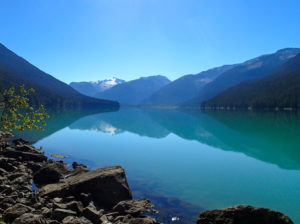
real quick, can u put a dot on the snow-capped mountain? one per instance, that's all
(93, 87)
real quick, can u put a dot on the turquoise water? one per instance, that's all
(212, 159)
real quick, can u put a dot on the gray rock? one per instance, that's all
(2, 171)
(76, 165)
(34, 166)
(85, 198)
(59, 205)
(15, 211)
(91, 213)
(24, 156)
(75, 206)
(4, 164)
(30, 218)
(57, 200)
(76, 220)
(50, 173)
(5, 135)
(53, 222)
(20, 141)
(60, 214)
(107, 186)
(244, 214)
(46, 212)
(69, 199)
(27, 148)
(133, 207)
(7, 200)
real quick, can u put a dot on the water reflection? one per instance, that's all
(270, 137)
(131, 120)
(191, 155)
(56, 122)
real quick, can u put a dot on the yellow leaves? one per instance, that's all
(18, 114)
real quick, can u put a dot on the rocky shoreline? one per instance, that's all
(67, 196)
(36, 189)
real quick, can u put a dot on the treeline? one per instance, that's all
(50, 99)
(279, 89)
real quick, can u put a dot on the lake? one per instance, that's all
(188, 161)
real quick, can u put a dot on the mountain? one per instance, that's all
(248, 70)
(54, 94)
(91, 88)
(133, 92)
(185, 88)
(278, 89)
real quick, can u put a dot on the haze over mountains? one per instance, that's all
(267, 81)
(251, 69)
(133, 92)
(194, 90)
(54, 94)
(91, 88)
(185, 87)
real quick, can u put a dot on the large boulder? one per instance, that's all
(244, 214)
(107, 186)
(50, 173)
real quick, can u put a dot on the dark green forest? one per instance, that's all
(278, 89)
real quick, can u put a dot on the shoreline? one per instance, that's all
(64, 195)
(80, 195)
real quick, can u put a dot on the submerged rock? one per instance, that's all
(243, 214)
(107, 186)
(140, 220)
(133, 207)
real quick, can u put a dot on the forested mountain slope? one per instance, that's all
(16, 71)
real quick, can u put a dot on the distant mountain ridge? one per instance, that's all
(251, 69)
(185, 87)
(192, 90)
(133, 92)
(215, 86)
(54, 94)
(278, 89)
(91, 88)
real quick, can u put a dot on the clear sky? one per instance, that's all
(77, 40)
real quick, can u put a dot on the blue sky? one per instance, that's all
(77, 40)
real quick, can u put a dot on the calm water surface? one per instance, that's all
(211, 160)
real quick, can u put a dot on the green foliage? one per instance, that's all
(279, 89)
(18, 114)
